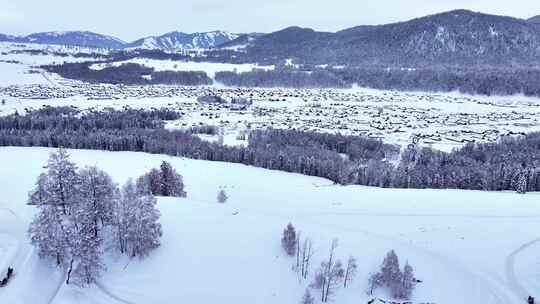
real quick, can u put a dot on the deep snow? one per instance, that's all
(461, 243)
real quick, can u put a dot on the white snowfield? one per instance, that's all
(211, 68)
(466, 246)
(18, 67)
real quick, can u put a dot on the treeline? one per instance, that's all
(287, 78)
(470, 80)
(355, 147)
(71, 119)
(128, 74)
(510, 164)
(480, 80)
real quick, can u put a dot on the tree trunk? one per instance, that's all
(69, 271)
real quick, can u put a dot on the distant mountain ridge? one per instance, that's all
(169, 41)
(459, 37)
(179, 40)
(535, 19)
(74, 38)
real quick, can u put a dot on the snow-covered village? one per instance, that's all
(388, 158)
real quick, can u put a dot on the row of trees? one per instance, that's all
(64, 119)
(128, 74)
(282, 78)
(483, 80)
(79, 210)
(510, 164)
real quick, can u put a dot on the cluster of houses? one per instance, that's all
(392, 116)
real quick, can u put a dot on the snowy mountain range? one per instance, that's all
(459, 37)
(535, 19)
(169, 41)
(75, 38)
(179, 40)
(454, 37)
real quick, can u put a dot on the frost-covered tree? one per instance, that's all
(77, 210)
(401, 284)
(47, 235)
(164, 181)
(222, 197)
(408, 283)
(39, 194)
(141, 231)
(86, 264)
(334, 279)
(98, 190)
(350, 271)
(519, 182)
(172, 183)
(65, 228)
(62, 181)
(56, 194)
(329, 275)
(150, 182)
(123, 214)
(307, 298)
(375, 281)
(289, 240)
(391, 272)
(307, 254)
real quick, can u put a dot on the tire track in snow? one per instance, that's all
(56, 290)
(11, 258)
(496, 290)
(511, 269)
(21, 259)
(452, 264)
(112, 295)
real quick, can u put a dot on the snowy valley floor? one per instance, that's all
(466, 246)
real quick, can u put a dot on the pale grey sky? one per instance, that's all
(132, 19)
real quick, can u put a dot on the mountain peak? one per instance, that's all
(180, 40)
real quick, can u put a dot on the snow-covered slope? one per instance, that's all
(178, 40)
(73, 38)
(466, 246)
(19, 63)
(169, 41)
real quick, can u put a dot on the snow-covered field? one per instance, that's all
(466, 246)
(210, 68)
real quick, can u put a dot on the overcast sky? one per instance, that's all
(132, 19)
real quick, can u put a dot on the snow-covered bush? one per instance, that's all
(222, 197)
(400, 283)
(288, 240)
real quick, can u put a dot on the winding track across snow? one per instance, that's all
(112, 295)
(511, 271)
(23, 255)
